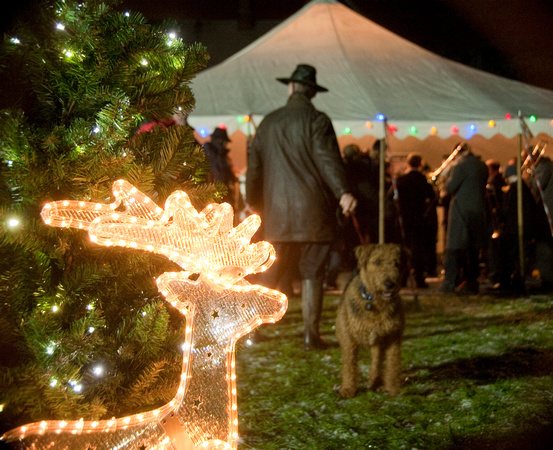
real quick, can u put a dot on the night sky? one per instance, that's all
(512, 38)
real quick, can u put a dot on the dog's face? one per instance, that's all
(380, 267)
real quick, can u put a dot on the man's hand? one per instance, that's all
(348, 203)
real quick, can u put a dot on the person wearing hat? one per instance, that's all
(415, 197)
(221, 167)
(295, 181)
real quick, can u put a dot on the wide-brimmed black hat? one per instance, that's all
(221, 134)
(305, 74)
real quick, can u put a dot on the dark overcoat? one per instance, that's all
(468, 218)
(415, 195)
(295, 174)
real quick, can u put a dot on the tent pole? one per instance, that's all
(520, 216)
(381, 193)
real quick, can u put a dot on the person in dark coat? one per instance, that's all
(362, 174)
(221, 166)
(431, 226)
(296, 181)
(495, 186)
(468, 219)
(415, 196)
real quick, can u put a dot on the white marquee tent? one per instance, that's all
(428, 100)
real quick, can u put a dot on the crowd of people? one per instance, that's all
(318, 202)
(479, 203)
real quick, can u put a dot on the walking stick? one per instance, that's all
(381, 186)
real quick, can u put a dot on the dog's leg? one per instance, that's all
(375, 369)
(393, 369)
(349, 367)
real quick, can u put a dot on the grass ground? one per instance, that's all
(478, 375)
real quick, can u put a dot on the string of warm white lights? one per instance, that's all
(219, 307)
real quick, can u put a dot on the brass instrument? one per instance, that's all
(436, 174)
(534, 157)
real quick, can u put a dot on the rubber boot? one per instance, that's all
(311, 305)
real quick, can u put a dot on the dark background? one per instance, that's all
(512, 38)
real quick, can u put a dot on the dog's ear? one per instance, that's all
(362, 253)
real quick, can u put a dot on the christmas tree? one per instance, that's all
(85, 332)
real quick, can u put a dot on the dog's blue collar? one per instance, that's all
(366, 296)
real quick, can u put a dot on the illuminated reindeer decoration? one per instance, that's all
(219, 306)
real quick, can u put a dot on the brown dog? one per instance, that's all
(371, 315)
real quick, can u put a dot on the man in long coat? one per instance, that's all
(468, 220)
(296, 181)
